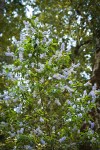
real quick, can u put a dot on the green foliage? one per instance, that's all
(45, 105)
(44, 101)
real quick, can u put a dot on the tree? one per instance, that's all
(43, 106)
(54, 55)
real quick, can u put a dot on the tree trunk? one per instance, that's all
(96, 80)
(96, 70)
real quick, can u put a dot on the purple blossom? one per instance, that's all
(94, 87)
(20, 131)
(87, 83)
(63, 46)
(43, 55)
(92, 93)
(38, 131)
(74, 106)
(18, 109)
(41, 119)
(84, 93)
(9, 54)
(21, 56)
(44, 40)
(57, 76)
(92, 124)
(42, 142)
(10, 75)
(79, 115)
(65, 73)
(19, 68)
(69, 102)
(70, 82)
(6, 97)
(68, 88)
(62, 139)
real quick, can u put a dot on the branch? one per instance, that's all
(76, 51)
